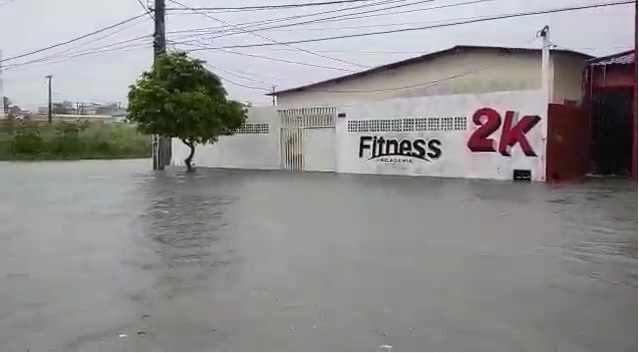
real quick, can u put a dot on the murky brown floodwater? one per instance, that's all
(239, 260)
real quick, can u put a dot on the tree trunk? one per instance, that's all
(187, 161)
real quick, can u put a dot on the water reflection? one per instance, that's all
(188, 225)
(243, 260)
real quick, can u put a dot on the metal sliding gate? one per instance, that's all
(307, 139)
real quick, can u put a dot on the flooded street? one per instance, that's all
(109, 255)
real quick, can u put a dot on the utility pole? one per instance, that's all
(50, 113)
(546, 69)
(273, 94)
(5, 100)
(161, 145)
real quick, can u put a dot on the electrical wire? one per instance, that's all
(282, 19)
(146, 9)
(266, 57)
(283, 60)
(59, 59)
(273, 41)
(239, 75)
(273, 7)
(484, 19)
(242, 85)
(339, 18)
(371, 13)
(57, 55)
(75, 39)
(143, 37)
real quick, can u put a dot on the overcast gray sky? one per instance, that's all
(27, 25)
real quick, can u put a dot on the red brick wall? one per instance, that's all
(568, 142)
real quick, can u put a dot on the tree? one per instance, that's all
(180, 98)
(10, 110)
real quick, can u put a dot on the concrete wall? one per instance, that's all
(447, 122)
(478, 72)
(251, 149)
(568, 78)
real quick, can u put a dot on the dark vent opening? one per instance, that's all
(521, 175)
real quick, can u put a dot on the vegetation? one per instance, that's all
(180, 98)
(36, 140)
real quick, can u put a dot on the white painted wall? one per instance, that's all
(326, 149)
(456, 159)
(472, 72)
(242, 151)
(319, 150)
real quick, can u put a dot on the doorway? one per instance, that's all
(611, 133)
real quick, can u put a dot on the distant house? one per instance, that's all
(458, 70)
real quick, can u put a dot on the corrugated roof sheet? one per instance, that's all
(624, 58)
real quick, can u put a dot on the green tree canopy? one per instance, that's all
(180, 98)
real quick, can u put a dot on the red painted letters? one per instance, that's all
(513, 132)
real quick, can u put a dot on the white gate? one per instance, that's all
(307, 139)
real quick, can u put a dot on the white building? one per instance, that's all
(458, 70)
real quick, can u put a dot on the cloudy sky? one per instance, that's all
(100, 68)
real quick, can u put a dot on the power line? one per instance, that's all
(191, 30)
(340, 18)
(325, 19)
(239, 75)
(491, 18)
(233, 74)
(275, 7)
(372, 13)
(75, 39)
(281, 19)
(283, 60)
(57, 55)
(359, 16)
(241, 85)
(146, 9)
(270, 39)
(59, 59)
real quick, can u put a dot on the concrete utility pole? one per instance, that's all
(5, 103)
(50, 111)
(161, 145)
(546, 69)
(273, 94)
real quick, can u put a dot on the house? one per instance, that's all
(458, 70)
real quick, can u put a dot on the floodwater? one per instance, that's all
(112, 256)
